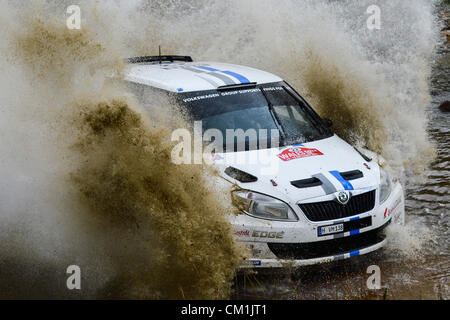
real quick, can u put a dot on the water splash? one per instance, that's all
(373, 84)
(107, 196)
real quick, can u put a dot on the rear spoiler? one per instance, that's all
(159, 59)
(237, 86)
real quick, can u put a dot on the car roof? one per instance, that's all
(194, 76)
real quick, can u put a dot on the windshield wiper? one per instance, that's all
(275, 118)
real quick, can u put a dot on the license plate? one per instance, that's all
(335, 228)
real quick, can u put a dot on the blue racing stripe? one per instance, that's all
(354, 253)
(346, 184)
(207, 68)
(355, 218)
(352, 233)
(238, 76)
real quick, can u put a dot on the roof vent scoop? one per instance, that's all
(240, 175)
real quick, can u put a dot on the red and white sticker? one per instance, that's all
(242, 233)
(298, 152)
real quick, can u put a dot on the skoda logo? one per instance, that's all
(343, 197)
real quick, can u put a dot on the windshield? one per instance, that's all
(270, 107)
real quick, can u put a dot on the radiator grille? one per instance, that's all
(332, 210)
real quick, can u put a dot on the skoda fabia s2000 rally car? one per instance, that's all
(325, 200)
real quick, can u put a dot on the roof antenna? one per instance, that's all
(160, 54)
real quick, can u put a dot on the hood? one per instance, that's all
(301, 172)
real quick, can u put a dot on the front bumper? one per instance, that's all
(284, 263)
(275, 244)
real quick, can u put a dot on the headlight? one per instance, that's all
(385, 185)
(262, 206)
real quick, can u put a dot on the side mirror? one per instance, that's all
(327, 122)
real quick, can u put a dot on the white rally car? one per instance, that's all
(323, 200)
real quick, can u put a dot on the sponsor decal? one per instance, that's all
(216, 157)
(255, 262)
(388, 212)
(266, 234)
(298, 152)
(242, 233)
